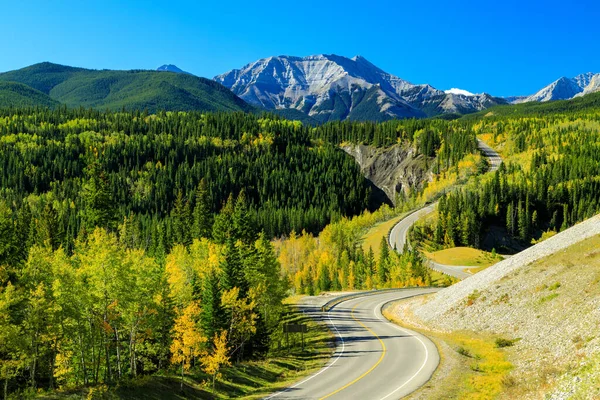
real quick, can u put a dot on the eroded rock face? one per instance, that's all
(394, 170)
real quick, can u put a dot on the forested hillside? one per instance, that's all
(549, 181)
(131, 90)
(14, 94)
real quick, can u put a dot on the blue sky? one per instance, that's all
(504, 47)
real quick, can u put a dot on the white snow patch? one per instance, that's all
(459, 91)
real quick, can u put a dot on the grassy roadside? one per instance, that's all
(472, 366)
(372, 238)
(247, 380)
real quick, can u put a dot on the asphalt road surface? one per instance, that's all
(374, 358)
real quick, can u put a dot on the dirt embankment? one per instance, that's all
(394, 170)
(543, 304)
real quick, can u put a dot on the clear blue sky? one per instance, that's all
(510, 47)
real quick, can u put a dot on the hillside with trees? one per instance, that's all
(131, 90)
(13, 94)
(549, 181)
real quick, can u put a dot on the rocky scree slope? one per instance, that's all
(547, 300)
(330, 87)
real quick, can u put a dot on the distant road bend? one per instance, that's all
(374, 358)
(399, 233)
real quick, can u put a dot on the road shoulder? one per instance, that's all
(470, 363)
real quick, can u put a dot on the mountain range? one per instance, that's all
(312, 89)
(330, 87)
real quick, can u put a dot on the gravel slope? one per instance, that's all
(448, 298)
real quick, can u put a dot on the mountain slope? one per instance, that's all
(564, 89)
(330, 87)
(561, 89)
(151, 90)
(14, 94)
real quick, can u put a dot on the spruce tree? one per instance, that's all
(202, 226)
(98, 206)
(223, 226)
(384, 261)
(180, 217)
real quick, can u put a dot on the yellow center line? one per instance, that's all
(371, 369)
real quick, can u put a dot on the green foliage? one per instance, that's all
(99, 168)
(548, 298)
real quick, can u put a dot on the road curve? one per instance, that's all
(399, 233)
(491, 154)
(374, 358)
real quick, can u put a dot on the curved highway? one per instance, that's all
(399, 233)
(374, 358)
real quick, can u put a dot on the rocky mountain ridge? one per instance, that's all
(330, 87)
(564, 89)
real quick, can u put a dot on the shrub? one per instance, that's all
(501, 342)
(464, 352)
(473, 297)
(554, 286)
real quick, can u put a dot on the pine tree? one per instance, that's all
(180, 216)
(384, 261)
(223, 226)
(212, 317)
(242, 224)
(48, 227)
(98, 206)
(202, 227)
(232, 267)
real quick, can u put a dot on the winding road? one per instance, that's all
(374, 358)
(399, 233)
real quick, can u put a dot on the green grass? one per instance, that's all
(548, 298)
(247, 380)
